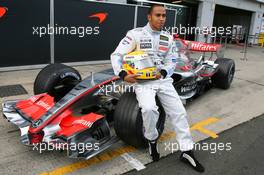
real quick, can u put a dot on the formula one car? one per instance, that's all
(85, 117)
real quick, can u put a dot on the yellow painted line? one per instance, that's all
(115, 153)
(85, 163)
(167, 135)
(200, 127)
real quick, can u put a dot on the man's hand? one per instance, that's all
(158, 76)
(131, 78)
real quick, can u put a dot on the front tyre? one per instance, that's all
(56, 80)
(128, 121)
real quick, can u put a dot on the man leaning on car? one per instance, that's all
(159, 45)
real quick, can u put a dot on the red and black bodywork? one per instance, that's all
(78, 118)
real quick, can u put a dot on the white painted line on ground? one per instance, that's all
(133, 162)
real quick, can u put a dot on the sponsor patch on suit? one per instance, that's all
(145, 45)
(145, 40)
(163, 49)
(164, 38)
(125, 42)
(163, 43)
(129, 38)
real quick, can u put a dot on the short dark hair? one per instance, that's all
(152, 7)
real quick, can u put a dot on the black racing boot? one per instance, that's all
(153, 150)
(188, 158)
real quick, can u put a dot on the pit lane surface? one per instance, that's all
(245, 158)
(214, 112)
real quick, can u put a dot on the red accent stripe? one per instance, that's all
(207, 75)
(163, 48)
(130, 72)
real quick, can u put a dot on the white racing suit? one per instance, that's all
(160, 46)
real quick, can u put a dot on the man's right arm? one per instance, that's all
(126, 45)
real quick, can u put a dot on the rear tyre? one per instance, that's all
(225, 73)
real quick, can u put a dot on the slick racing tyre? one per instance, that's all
(224, 74)
(56, 80)
(128, 121)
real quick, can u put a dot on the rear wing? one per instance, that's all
(202, 47)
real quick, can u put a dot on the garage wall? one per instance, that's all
(20, 46)
(104, 37)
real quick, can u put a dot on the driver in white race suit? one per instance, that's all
(160, 47)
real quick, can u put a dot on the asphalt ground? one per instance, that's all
(246, 156)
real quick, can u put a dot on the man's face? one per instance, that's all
(157, 18)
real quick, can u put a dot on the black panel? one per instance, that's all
(186, 17)
(18, 45)
(72, 13)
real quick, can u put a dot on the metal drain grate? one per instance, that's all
(12, 90)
